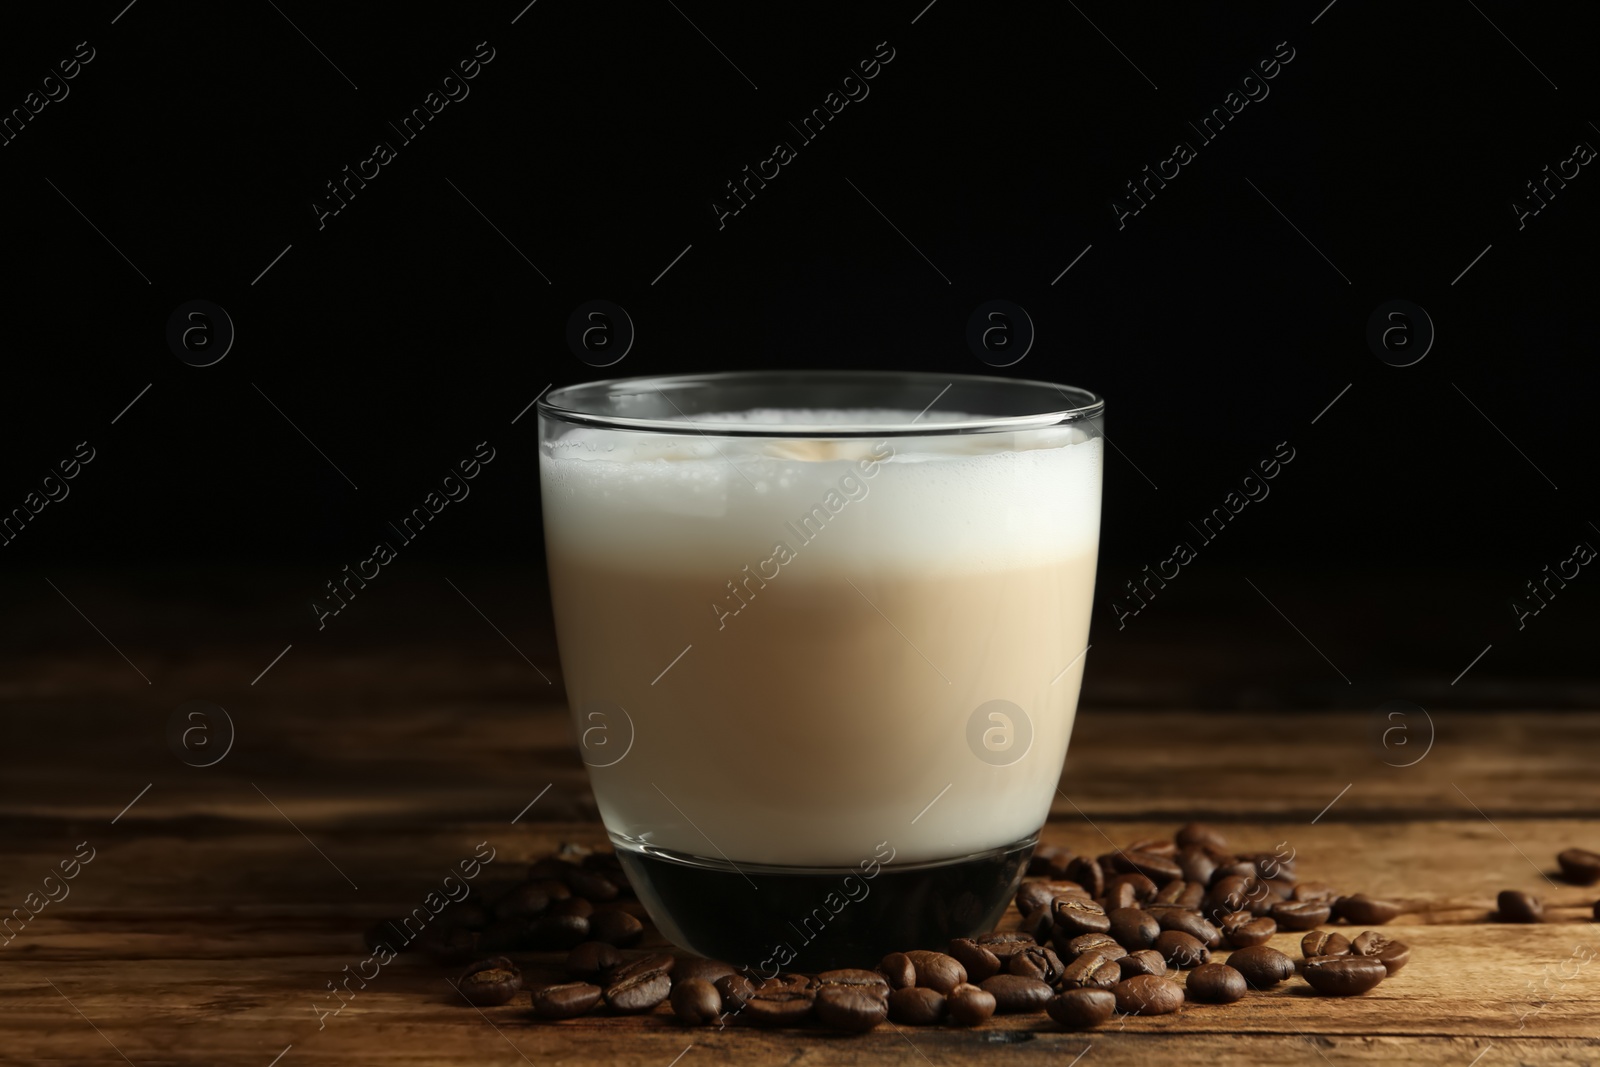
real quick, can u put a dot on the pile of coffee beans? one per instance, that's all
(1098, 936)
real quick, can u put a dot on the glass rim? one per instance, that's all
(566, 404)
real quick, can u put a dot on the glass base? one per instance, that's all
(770, 919)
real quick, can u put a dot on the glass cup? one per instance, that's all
(822, 635)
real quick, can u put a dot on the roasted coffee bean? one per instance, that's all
(522, 901)
(1145, 994)
(1343, 976)
(1156, 846)
(1362, 910)
(1145, 961)
(1050, 861)
(900, 971)
(1241, 929)
(916, 1006)
(549, 932)
(490, 982)
(1280, 889)
(1199, 835)
(1198, 865)
(565, 1001)
(569, 907)
(687, 967)
(970, 1005)
(736, 990)
(1013, 993)
(1092, 969)
(1032, 896)
(592, 886)
(1271, 865)
(935, 970)
(1182, 950)
(1037, 924)
(554, 888)
(639, 993)
(1191, 923)
(1075, 917)
(1393, 954)
(1215, 983)
(779, 1007)
(696, 1001)
(1081, 1009)
(1087, 873)
(615, 927)
(1314, 891)
(650, 963)
(593, 961)
(1119, 895)
(1230, 894)
(1037, 962)
(1104, 944)
(1158, 868)
(1324, 943)
(978, 961)
(1183, 894)
(1519, 907)
(856, 978)
(851, 1008)
(1262, 965)
(1004, 946)
(1144, 890)
(1232, 867)
(1579, 865)
(1133, 928)
(1300, 915)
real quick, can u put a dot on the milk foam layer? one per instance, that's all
(789, 637)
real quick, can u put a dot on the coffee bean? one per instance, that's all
(1120, 895)
(1104, 944)
(1314, 891)
(1241, 929)
(788, 982)
(1282, 889)
(979, 962)
(1156, 846)
(935, 970)
(970, 1005)
(1579, 865)
(1271, 865)
(593, 961)
(855, 978)
(1215, 983)
(1343, 976)
(1037, 962)
(851, 1008)
(570, 906)
(1232, 867)
(1087, 873)
(1191, 923)
(591, 885)
(1199, 835)
(1198, 864)
(1014, 993)
(1300, 915)
(1004, 946)
(778, 1007)
(1183, 894)
(490, 982)
(1081, 1009)
(638, 993)
(1075, 917)
(1145, 961)
(1262, 965)
(1145, 994)
(1159, 869)
(1229, 894)
(1037, 924)
(900, 971)
(565, 1001)
(556, 932)
(687, 967)
(1324, 943)
(1181, 950)
(1092, 969)
(1519, 907)
(1050, 861)
(522, 901)
(696, 1001)
(554, 888)
(1393, 954)
(1144, 890)
(1362, 910)
(736, 990)
(1133, 928)
(1032, 896)
(650, 963)
(616, 928)
(916, 1006)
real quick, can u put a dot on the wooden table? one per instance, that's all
(221, 901)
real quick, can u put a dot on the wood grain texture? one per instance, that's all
(218, 907)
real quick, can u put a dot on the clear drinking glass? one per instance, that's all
(822, 634)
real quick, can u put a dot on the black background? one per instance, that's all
(414, 324)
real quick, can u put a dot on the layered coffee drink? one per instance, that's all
(824, 684)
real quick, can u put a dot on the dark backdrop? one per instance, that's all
(1385, 159)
